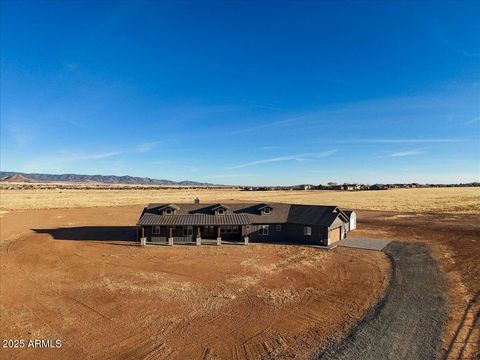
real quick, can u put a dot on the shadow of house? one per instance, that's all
(92, 233)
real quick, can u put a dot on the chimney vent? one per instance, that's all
(197, 200)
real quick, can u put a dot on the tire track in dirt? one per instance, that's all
(464, 333)
(409, 320)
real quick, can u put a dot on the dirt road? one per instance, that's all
(408, 323)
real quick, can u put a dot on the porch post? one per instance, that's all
(245, 235)
(199, 236)
(170, 236)
(219, 238)
(143, 239)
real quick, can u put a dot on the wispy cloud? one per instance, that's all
(397, 111)
(191, 168)
(270, 147)
(158, 162)
(395, 141)
(407, 153)
(96, 156)
(291, 120)
(146, 146)
(295, 157)
(473, 121)
(63, 158)
(224, 176)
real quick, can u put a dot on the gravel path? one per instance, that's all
(408, 322)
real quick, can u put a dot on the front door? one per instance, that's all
(208, 232)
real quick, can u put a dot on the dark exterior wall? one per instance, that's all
(289, 232)
(232, 236)
(273, 234)
(319, 234)
(177, 231)
(149, 232)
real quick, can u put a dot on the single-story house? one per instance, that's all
(242, 222)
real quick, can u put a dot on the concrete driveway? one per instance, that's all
(364, 243)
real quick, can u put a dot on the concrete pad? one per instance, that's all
(364, 243)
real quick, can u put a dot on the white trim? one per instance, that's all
(267, 211)
(222, 211)
(156, 229)
(279, 227)
(168, 211)
(307, 230)
(263, 230)
(189, 231)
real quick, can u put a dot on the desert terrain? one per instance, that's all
(69, 270)
(76, 276)
(426, 200)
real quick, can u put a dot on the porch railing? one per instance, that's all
(159, 240)
(182, 239)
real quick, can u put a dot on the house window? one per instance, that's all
(307, 230)
(220, 212)
(263, 230)
(168, 211)
(187, 231)
(156, 230)
(279, 227)
(227, 229)
(267, 211)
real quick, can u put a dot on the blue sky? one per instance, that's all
(242, 92)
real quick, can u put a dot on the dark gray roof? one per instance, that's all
(173, 206)
(193, 219)
(312, 214)
(281, 213)
(219, 206)
(263, 206)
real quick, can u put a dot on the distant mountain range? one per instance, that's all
(9, 176)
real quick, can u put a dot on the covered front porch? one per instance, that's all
(195, 229)
(194, 234)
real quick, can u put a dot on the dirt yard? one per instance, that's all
(50, 283)
(73, 275)
(428, 200)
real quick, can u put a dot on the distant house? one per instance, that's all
(256, 222)
(377, 187)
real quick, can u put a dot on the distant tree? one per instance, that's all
(332, 184)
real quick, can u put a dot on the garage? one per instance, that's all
(335, 234)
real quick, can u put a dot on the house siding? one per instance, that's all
(319, 234)
(177, 232)
(273, 234)
(292, 220)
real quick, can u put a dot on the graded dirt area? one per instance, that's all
(455, 200)
(454, 240)
(71, 247)
(407, 323)
(73, 275)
